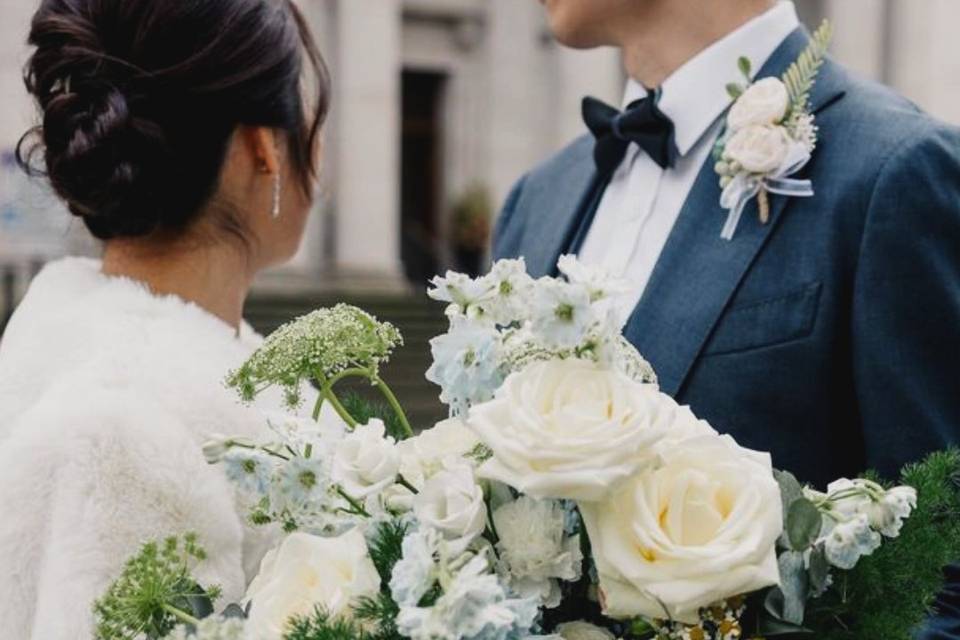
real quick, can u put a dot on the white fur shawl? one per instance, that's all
(106, 394)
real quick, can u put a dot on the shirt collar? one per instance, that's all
(695, 95)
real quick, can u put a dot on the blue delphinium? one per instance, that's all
(466, 365)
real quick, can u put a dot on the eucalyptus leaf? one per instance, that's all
(803, 524)
(234, 610)
(734, 90)
(793, 586)
(745, 67)
(819, 571)
(790, 488)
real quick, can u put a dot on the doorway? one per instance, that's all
(421, 173)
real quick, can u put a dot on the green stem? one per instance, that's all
(317, 406)
(180, 615)
(394, 404)
(338, 407)
(353, 502)
(403, 483)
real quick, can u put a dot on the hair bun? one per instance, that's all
(96, 156)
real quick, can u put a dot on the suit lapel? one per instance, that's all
(559, 206)
(698, 272)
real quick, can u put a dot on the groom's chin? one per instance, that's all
(580, 24)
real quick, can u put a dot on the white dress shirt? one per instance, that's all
(642, 201)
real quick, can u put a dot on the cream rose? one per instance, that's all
(570, 429)
(764, 102)
(305, 572)
(366, 462)
(758, 148)
(452, 503)
(424, 455)
(699, 528)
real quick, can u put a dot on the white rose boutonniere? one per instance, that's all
(306, 572)
(769, 136)
(764, 102)
(570, 429)
(699, 528)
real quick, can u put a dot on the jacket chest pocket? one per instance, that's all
(767, 322)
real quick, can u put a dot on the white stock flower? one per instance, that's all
(697, 529)
(848, 541)
(366, 461)
(759, 148)
(895, 506)
(764, 102)
(467, 296)
(511, 285)
(598, 281)
(452, 503)
(570, 429)
(562, 312)
(306, 572)
(535, 549)
(885, 509)
(425, 454)
(581, 630)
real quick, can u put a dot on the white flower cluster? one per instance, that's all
(314, 477)
(506, 320)
(857, 515)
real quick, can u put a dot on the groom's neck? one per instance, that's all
(656, 46)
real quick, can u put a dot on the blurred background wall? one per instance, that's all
(439, 106)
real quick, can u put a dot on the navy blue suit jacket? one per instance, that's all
(829, 336)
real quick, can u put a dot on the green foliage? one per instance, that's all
(801, 75)
(155, 592)
(889, 593)
(320, 626)
(381, 612)
(320, 345)
(364, 410)
(386, 548)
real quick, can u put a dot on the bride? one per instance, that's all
(181, 134)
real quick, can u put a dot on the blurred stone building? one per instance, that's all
(439, 105)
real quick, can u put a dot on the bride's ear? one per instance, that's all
(264, 148)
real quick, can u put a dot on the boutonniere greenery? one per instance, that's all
(769, 135)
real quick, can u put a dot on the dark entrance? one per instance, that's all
(421, 173)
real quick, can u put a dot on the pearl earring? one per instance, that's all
(276, 197)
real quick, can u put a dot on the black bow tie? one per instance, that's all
(642, 123)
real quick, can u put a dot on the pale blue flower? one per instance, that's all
(474, 606)
(248, 469)
(851, 540)
(301, 482)
(561, 313)
(600, 283)
(416, 572)
(466, 364)
(511, 284)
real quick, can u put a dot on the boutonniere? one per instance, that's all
(769, 135)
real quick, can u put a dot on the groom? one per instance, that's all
(828, 335)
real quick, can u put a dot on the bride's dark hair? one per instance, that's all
(139, 99)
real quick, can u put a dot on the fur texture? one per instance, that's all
(106, 394)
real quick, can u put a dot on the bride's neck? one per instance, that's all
(217, 278)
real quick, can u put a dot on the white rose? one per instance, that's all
(759, 148)
(570, 429)
(305, 572)
(452, 503)
(424, 455)
(698, 529)
(583, 631)
(764, 102)
(366, 462)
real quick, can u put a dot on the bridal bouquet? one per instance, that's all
(566, 497)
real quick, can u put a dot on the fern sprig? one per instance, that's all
(802, 74)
